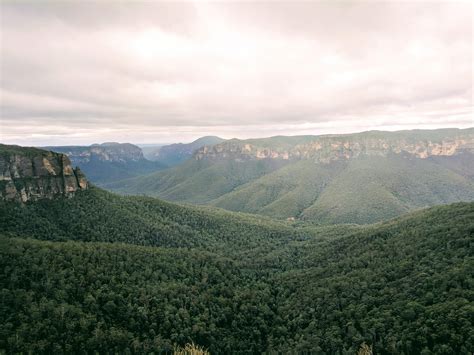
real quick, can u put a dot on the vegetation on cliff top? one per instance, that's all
(10, 150)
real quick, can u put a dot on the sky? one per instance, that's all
(162, 72)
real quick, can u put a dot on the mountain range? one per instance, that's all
(174, 154)
(110, 161)
(91, 271)
(356, 178)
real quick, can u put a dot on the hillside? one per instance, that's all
(107, 162)
(95, 215)
(359, 178)
(240, 284)
(177, 153)
(408, 283)
(362, 190)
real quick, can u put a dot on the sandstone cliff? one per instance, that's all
(108, 162)
(324, 149)
(108, 152)
(29, 174)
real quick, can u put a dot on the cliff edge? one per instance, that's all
(30, 174)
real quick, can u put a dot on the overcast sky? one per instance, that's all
(80, 73)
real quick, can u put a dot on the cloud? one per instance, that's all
(150, 72)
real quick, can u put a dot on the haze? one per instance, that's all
(79, 73)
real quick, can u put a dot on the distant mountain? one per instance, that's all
(175, 154)
(110, 161)
(356, 178)
(148, 149)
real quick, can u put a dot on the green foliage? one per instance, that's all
(229, 282)
(366, 189)
(86, 297)
(363, 190)
(372, 189)
(283, 193)
(97, 215)
(403, 286)
(197, 181)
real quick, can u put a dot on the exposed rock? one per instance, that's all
(107, 162)
(324, 149)
(81, 179)
(29, 174)
(110, 152)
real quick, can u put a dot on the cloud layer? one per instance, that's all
(78, 73)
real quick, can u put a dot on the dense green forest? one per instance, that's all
(101, 272)
(97, 215)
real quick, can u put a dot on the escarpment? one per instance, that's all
(30, 174)
(105, 152)
(324, 149)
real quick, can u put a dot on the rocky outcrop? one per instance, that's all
(30, 174)
(109, 152)
(327, 150)
(324, 149)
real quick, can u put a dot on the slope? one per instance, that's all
(404, 286)
(197, 181)
(371, 189)
(362, 190)
(100, 216)
(283, 193)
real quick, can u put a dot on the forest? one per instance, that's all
(236, 177)
(102, 272)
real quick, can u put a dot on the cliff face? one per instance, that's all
(108, 162)
(29, 174)
(324, 149)
(109, 152)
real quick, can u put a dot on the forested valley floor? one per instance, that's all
(100, 272)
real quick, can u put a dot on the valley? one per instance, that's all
(359, 178)
(236, 177)
(95, 271)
